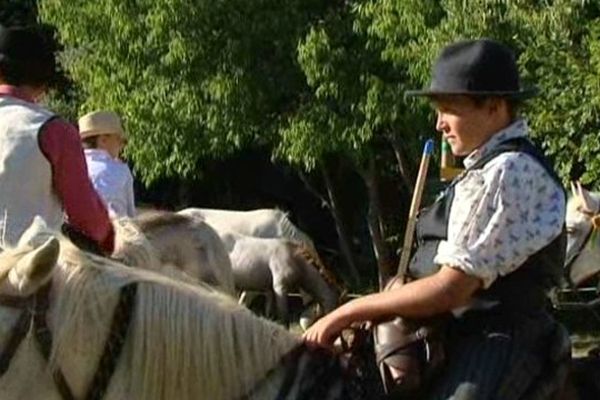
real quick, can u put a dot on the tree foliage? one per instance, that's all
(193, 79)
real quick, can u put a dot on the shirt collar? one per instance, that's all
(514, 130)
(14, 91)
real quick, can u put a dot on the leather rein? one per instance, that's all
(33, 316)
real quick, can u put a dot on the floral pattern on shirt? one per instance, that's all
(502, 213)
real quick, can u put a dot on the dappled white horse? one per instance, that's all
(263, 223)
(174, 244)
(279, 267)
(583, 246)
(179, 341)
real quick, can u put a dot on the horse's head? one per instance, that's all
(328, 290)
(24, 269)
(582, 214)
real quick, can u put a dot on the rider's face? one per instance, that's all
(112, 143)
(463, 123)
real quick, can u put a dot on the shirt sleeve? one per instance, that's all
(60, 143)
(500, 216)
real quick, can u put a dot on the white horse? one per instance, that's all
(278, 267)
(583, 246)
(182, 341)
(172, 244)
(262, 223)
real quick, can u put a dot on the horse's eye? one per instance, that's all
(570, 229)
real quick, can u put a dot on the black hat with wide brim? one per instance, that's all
(26, 49)
(482, 67)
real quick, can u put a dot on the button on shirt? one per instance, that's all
(502, 213)
(113, 182)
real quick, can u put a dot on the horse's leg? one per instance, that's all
(252, 300)
(269, 310)
(281, 301)
(243, 300)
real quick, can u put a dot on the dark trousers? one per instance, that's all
(494, 356)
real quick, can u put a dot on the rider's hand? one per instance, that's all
(324, 332)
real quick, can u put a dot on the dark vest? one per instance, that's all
(525, 288)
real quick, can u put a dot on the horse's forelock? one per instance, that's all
(577, 204)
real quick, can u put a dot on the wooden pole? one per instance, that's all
(414, 209)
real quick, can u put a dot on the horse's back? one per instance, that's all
(260, 222)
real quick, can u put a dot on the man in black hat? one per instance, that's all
(42, 166)
(490, 247)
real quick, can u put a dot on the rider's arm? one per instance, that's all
(60, 143)
(446, 290)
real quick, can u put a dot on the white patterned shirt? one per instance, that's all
(113, 181)
(502, 213)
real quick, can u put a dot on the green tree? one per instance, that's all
(356, 110)
(194, 80)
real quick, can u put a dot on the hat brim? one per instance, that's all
(92, 133)
(522, 94)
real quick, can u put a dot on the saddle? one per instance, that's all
(408, 352)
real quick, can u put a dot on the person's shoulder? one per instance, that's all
(60, 127)
(514, 162)
(519, 171)
(119, 167)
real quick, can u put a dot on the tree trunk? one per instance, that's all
(404, 166)
(340, 226)
(385, 261)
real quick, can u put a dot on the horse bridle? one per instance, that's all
(34, 315)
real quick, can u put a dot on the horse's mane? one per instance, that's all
(290, 231)
(185, 341)
(132, 247)
(313, 259)
(150, 221)
(576, 203)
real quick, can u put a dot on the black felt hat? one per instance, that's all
(480, 67)
(25, 52)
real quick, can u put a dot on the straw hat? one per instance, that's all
(100, 123)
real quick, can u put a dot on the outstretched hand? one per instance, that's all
(324, 332)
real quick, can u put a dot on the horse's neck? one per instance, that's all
(290, 231)
(315, 284)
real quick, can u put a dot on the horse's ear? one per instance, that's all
(574, 189)
(36, 234)
(35, 269)
(588, 203)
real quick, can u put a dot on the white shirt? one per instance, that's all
(502, 213)
(113, 181)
